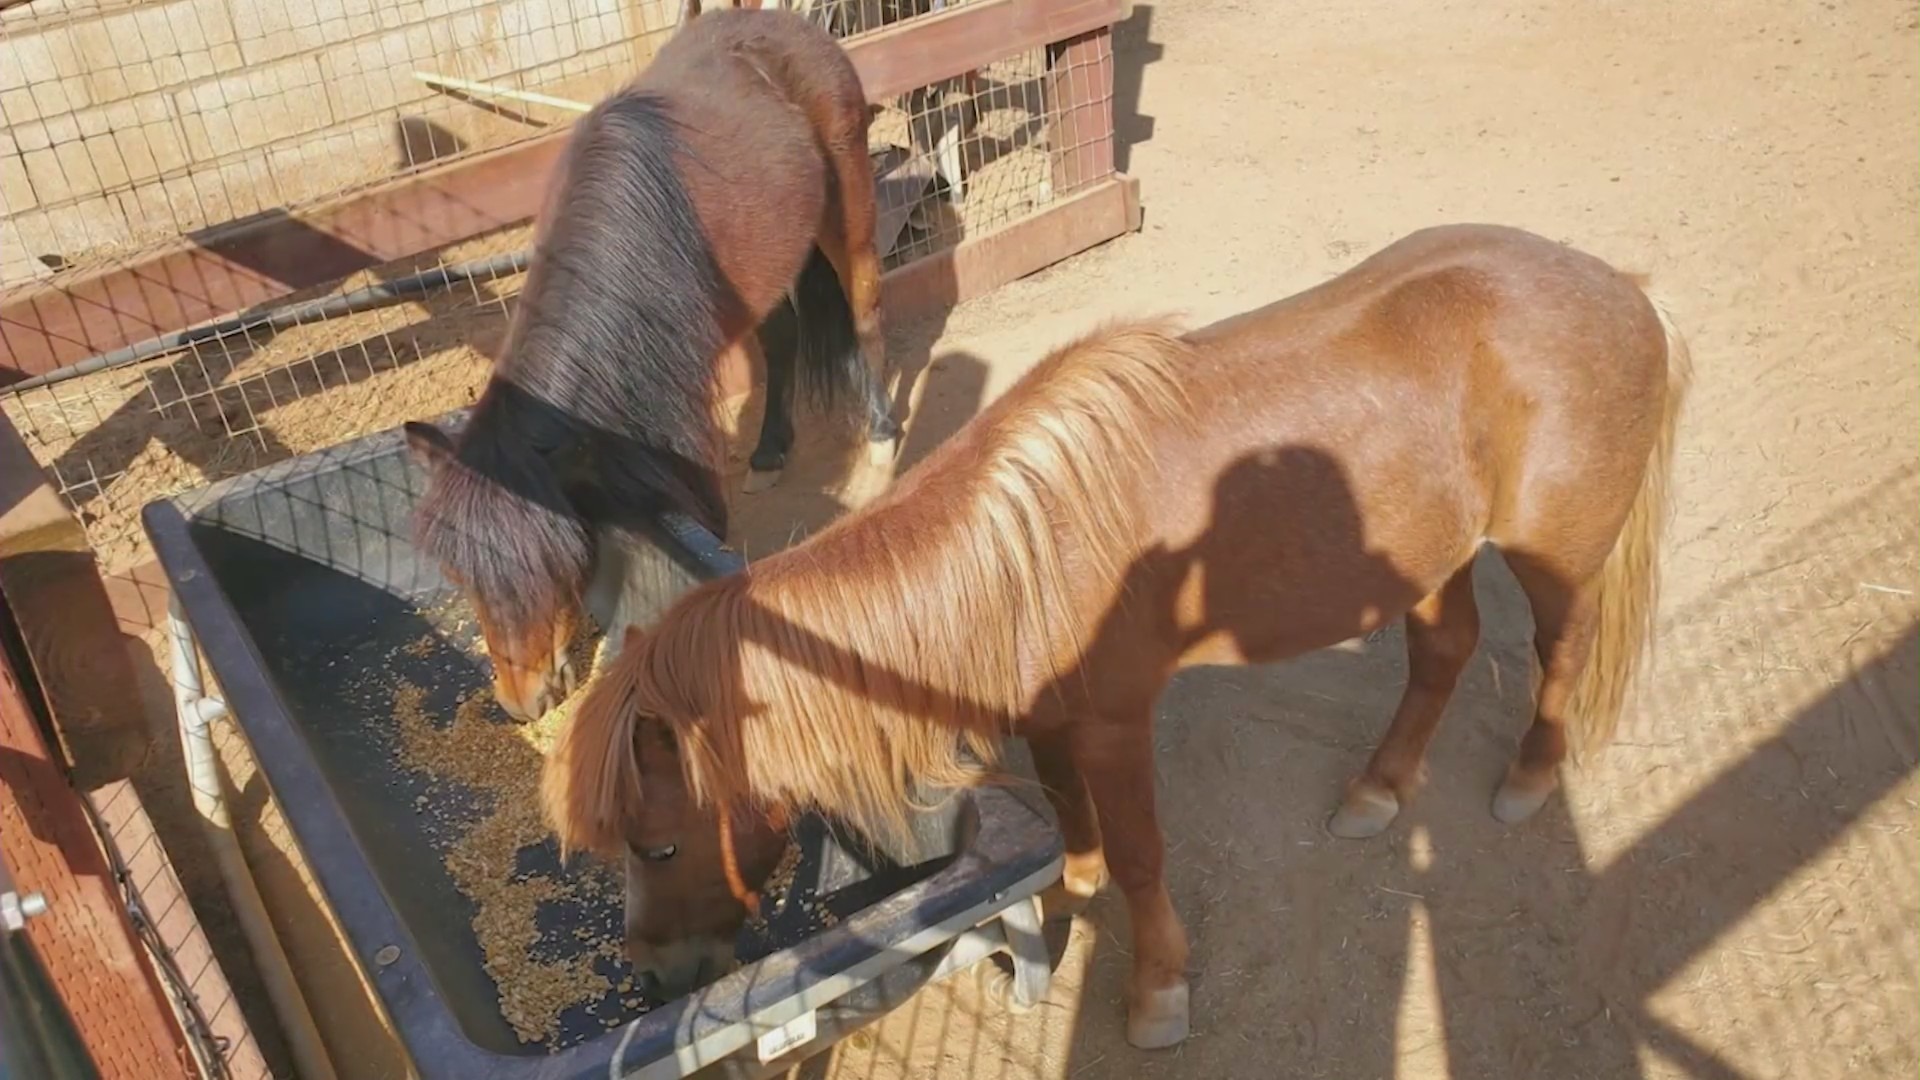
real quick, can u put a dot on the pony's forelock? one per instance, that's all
(590, 784)
(512, 541)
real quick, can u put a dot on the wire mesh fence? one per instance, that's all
(129, 126)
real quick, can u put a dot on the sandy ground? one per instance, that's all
(1731, 891)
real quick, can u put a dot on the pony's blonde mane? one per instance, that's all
(888, 652)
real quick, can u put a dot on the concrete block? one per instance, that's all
(73, 232)
(365, 78)
(41, 134)
(26, 60)
(233, 189)
(400, 13)
(76, 171)
(165, 208)
(44, 173)
(17, 106)
(16, 190)
(253, 108)
(269, 30)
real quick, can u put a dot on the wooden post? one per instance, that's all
(84, 939)
(79, 645)
(1080, 107)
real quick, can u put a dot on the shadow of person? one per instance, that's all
(1452, 944)
(1281, 566)
(1133, 50)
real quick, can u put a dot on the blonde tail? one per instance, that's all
(1629, 581)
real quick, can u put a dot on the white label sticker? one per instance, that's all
(795, 1032)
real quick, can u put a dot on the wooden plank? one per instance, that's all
(84, 939)
(89, 674)
(261, 259)
(81, 636)
(983, 263)
(1080, 107)
(926, 49)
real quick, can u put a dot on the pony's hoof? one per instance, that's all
(1365, 812)
(1071, 894)
(759, 480)
(1159, 1019)
(1516, 801)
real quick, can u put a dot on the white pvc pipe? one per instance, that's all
(467, 86)
(197, 713)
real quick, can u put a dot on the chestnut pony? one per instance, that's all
(726, 190)
(1278, 482)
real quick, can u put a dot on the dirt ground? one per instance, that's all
(1731, 890)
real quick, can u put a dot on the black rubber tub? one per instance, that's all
(309, 604)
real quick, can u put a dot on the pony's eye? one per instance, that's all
(659, 854)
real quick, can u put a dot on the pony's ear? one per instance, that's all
(430, 446)
(590, 784)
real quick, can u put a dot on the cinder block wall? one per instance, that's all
(128, 122)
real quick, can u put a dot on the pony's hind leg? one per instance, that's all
(779, 344)
(847, 239)
(1566, 614)
(1116, 758)
(1442, 631)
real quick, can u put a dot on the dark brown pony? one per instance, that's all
(1140, 502)
(726, 191)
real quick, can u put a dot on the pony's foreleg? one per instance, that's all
(1116, 758)
(1066, 790)
(1442, 632)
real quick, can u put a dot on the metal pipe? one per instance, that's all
(197, 714)
(279, 318)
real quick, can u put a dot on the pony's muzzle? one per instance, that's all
(675, 969)
(522, 706)
(528, 695)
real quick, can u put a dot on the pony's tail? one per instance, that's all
(813, 325)
(591, 777)
(1629, 580)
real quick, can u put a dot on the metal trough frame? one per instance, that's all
(984, 901)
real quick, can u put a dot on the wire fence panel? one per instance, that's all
(129, 126)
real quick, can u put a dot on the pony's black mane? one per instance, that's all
(621, 306)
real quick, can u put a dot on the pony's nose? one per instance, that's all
(666, 972)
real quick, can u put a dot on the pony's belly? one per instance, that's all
(1251, 646)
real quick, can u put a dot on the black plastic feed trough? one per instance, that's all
(303, 592)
